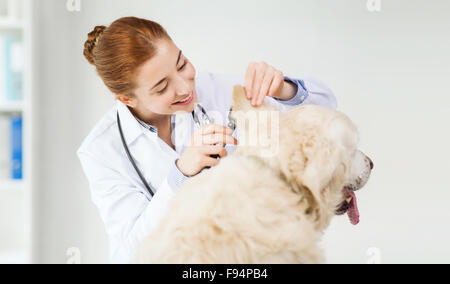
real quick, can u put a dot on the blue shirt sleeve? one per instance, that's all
(300, 97)
(176, 178)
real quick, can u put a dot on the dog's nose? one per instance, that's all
(371, 163)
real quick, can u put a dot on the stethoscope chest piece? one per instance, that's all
(231, 120)
(201, 119)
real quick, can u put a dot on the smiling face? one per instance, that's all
(165, 84)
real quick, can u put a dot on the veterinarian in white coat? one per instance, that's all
(162, 150)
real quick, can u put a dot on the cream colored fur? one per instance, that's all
(255, 209)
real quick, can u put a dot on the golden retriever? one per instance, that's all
(259, 208)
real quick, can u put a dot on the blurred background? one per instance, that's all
(388, 63)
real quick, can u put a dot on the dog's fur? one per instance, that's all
(255, 209)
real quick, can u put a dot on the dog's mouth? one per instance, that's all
(349, 206)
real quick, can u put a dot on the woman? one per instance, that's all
(156, 88)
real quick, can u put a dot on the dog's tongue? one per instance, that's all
(353, 212)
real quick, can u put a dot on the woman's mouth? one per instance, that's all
(185, 101)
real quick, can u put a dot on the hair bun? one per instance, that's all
(91, 43)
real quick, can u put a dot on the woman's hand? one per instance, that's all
(197, 154)
(263, 80)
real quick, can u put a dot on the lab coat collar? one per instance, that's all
(132, 129)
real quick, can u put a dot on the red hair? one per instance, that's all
(119, 50)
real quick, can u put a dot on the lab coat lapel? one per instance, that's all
(156, 156)
(184, 128)
(132, 129)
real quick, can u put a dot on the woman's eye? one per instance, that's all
(162, 91)
(182, 67)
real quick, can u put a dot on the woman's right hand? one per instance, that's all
(197, 154)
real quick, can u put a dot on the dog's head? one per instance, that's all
(315, 149)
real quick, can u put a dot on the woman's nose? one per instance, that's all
(371, 163)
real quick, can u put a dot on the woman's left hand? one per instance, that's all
(263, 80)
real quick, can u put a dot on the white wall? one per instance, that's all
(389, 71)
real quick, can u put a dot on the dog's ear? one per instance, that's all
(320, 152)
(257, 127)
(322, 161)
(241, 103)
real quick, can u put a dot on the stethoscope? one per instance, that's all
(199, 120)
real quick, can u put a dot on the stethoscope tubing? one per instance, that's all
(130, 157)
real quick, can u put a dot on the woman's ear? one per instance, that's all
(127, 100)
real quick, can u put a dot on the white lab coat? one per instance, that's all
(126, 208)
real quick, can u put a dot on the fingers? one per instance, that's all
(215, 150)
(213, 134)
(215, 128)
(249, 78)
(277, 83)
(264, 90)
(213, 139)
(209, 162)
(206, 160)
(262, 80)
(202, 149)
(259, 76)
(253, 77)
